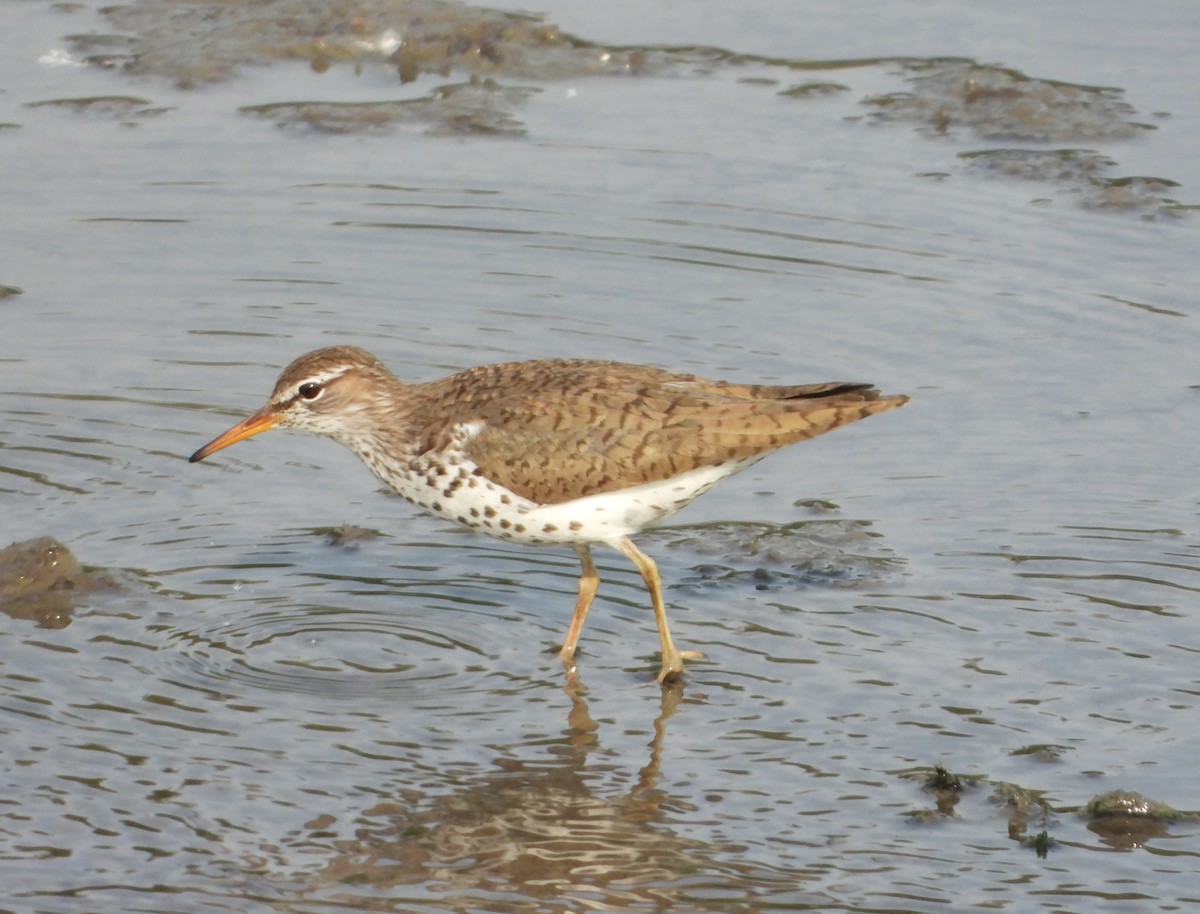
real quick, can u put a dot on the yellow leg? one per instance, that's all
(672, 657)
(589, 583)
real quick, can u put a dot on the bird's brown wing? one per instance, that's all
(574, 429)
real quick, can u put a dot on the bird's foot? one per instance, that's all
(672, 665)
(566, 656)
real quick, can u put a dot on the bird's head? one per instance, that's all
(330, 392)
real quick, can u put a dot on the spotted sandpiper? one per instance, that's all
(555, 451)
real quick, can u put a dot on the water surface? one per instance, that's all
(274, 686)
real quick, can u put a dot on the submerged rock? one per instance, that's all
(201, 42)
(1080, 172)
(196, 42)
(950, 95)
(40, 579)
(1125, 819)
(764, 556)
(1130, 803)
(477, 107)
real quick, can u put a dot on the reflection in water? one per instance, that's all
(542, 831)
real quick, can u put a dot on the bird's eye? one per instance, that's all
(309, 391)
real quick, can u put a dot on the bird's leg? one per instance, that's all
(672, 657)
(589, 583)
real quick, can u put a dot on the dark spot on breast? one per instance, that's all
(489, 512)
(549, 528)
(575, 526)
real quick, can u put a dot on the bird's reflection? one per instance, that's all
(540, 829)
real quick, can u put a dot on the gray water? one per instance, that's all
(272, 686)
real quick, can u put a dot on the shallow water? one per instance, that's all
(263, 709)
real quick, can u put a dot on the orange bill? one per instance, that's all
(261, 421)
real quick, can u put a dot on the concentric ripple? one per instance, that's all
(323, 650)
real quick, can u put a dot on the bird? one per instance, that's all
(554, 452)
